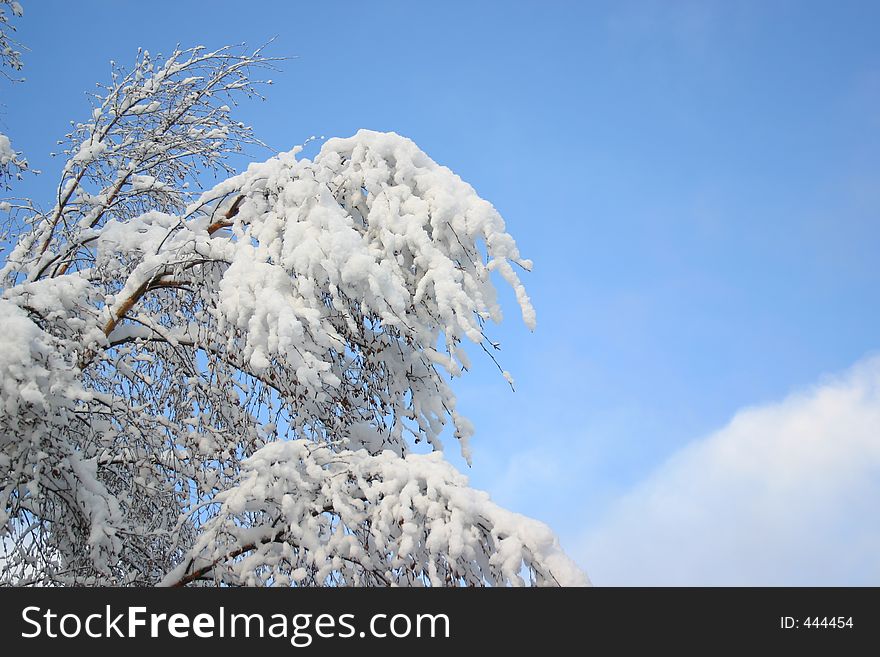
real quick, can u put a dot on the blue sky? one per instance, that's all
(698, 184)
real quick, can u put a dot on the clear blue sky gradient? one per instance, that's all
(698, 184)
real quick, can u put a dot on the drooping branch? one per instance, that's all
(376, 514)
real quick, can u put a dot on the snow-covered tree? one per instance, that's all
(248, 385)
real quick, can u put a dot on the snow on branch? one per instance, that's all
(153, 132)
(10, 56)
(12, 162)
(308, 515)
(45, 480)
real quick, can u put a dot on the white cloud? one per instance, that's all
(785, 494)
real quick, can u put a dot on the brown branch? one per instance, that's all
(127, 305)
(226, 221)
(112, 197)
(145, 287)
(177, 285)
(204, 570)
(61, 203)
(62, 268)
(135, 297)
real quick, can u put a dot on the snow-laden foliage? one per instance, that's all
(309, 514)
(228, 386)
(12, 163)
(45, 477)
